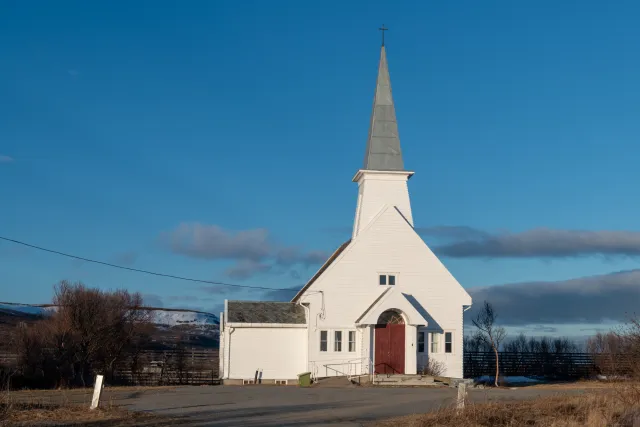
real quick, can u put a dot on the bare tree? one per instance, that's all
(489, 333)
(89, 331)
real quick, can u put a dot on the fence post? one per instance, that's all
(462, 395)
(97, 392)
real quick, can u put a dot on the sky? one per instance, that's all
(217, 140)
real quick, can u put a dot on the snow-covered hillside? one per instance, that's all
(17, 310)
(175, 318)
(159, 317)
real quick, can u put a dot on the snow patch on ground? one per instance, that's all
(509, 380)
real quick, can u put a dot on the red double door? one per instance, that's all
(389, 349)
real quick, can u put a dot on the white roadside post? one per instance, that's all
(97, 391)
(462, 394)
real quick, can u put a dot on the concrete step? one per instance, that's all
(404, 380)
(333, 382)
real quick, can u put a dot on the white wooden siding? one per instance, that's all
(278, 352)
(377, 189)
(350, 285)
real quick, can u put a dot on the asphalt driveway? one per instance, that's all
(293, 406)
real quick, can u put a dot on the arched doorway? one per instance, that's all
(389, 343)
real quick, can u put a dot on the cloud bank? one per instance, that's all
(592, 299)
(467, 242)
(254, 251)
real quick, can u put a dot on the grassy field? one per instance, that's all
(35, 408)
(35, 415)
(615, 405)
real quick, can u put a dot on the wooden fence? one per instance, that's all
(549, 365)
(169, 367)
(148, 368)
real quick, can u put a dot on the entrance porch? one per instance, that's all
(392, 321)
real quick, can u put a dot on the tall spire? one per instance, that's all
(383, 145)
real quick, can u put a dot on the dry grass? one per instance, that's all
(87, 390)
(616, 407)
(22, 414)
(28, 411)
(577, 385)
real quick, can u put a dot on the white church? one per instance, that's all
(382, 303)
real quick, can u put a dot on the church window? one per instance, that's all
(352, 341)
(420, 342)
(448, 342)
(323, 340)
(435, 348)
(387, 279)
(337, 342)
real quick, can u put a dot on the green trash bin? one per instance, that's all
(304, 379)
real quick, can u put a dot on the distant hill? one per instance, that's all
(193, 329)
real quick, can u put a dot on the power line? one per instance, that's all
(137, 270)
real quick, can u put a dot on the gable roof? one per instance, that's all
(265, 312)
(392, 298)
(326, 265)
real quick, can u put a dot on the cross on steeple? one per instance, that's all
(382, 30)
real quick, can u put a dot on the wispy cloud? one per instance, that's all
(467, 242)
(246, 268)
(453, 232)
(187, 302)
(254, 251)
(126, 259)
(152, 300)
(219, 290)
(73, 73)
(213, 242)
(281, 294)
(6, 159)
(592, 299)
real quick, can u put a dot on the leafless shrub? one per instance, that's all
(434, 368)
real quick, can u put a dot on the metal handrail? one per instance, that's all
(351, 367)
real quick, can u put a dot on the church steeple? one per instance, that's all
(383, 144)
(383, 179)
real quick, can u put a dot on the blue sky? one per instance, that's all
(218, 140)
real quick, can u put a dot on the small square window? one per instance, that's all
(323, 340)
(420, 342)
(383, 279)
(337, 343)
(392, 280)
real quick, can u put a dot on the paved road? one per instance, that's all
(292, 406)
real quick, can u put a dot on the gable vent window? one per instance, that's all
(387, 279)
